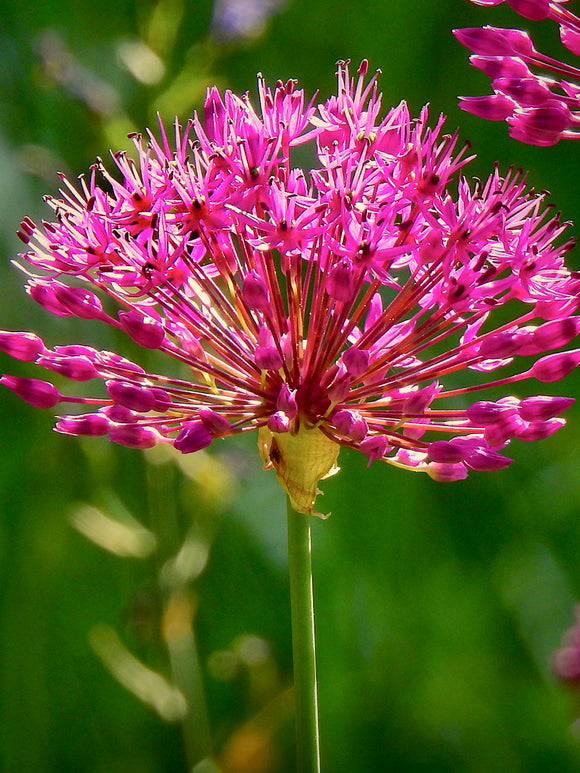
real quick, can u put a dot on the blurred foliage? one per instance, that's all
(438, 605)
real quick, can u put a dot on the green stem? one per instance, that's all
(187, 677)
(303, 642)
(178, 622)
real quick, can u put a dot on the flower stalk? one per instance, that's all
(303, 641)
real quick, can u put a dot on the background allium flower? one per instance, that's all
(566, 659)
(539, 109)
(242, 19)
(323, 309)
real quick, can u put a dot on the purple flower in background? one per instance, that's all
(539, 109)
(364, 304)
(239, 19)
(566, 659)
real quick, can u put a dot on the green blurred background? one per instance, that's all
(438, 605)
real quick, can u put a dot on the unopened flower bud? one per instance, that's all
(355, 360)
(553, 367)
(531, 9)
(267, 355)
(193, 437)
(538, 430)
(40, 394)
(142, 328)
(340, 281)
(500, 66)
(77, 368)
(486, 460)
(527, 92)
(79, 301)
(495, 41)
(446, 473)
(496, 435)
(556, 332)
(134, 436)
(21, 346)
(359, 428)
(566, 663)
(213, 422)
(484, 413)
(542, 125)
(446, 451)
(131, 395)
(492, 107)
(93, 424)
(162, 399)
(43, 293)
(255, 292)
(119, 414)
(343, 421)
(543, 407)
(570, 38)
(498, 345)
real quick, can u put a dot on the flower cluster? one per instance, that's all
(539, 109)
(332, 308)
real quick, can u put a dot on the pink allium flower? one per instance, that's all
(539, 109)
(352, 305)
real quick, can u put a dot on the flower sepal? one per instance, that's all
(301, 460)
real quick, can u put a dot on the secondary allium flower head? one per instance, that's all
(539, 109)
(352, 305)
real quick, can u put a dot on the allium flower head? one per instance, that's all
(351, 305)
(539, 109)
